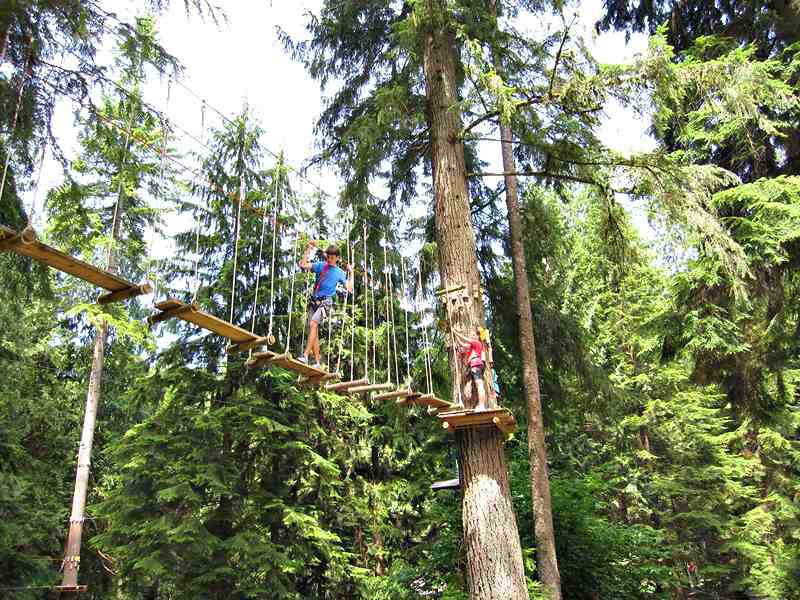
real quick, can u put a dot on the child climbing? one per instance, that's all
(473, 355)
(328, 277)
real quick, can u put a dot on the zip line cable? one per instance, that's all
(183, 85)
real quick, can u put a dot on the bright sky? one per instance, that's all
(242, 61)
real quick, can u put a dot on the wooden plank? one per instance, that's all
(374, 387)
(425, 400)
(261, 359)
(315, 381)
(244, 346)
(292, 364)
(9, 238)
(209, 322)
(136, 290)
(66, 263)
(169, 313)
(338, 387)
(401, 393)
(75, 589)
(500, 418)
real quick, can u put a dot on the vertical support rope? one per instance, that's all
(403, 276)
(393, 323)
(23, 80)
(348, 257)
(426, 341)
(453, 347)
(291, 294)
(366, 310)
(238, 227)
(386, 310)
(272, 267)
(197, 221)
(353, 323)
(260, 256)
(374, 322)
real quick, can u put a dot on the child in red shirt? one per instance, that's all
(473, 355)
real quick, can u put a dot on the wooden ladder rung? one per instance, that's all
(175, 311)
(11, 239)
(315, 381)
(261, 359)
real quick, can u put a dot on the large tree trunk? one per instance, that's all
(72, 551)
(547, 562)
(494, 554)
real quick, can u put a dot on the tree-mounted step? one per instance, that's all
(25, 243)
(460, 419)
(241, 339)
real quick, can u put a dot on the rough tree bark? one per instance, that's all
(494, 555)
(546, 562)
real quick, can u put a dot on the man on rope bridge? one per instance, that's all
(328, 277)
(473, 355)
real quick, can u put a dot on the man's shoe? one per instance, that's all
(303, 359)
(318, 366)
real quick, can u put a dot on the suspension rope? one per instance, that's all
(374, 321)
(392, 322)
(238, 227)
(291, 293)
(350, 261)
(161, 187)
(403, 276)
(258, 272)
(386, 300)
(366, 310)
(454, 347)
(426, 341)
(196, 285)
(272, 267)
(23, 80)
(353, 323)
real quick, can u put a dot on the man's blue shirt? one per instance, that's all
(327, 286)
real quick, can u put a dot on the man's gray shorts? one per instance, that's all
(319, 315)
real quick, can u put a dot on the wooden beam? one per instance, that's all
(243, 346)
(11, 239)
(261, 359)
(287, 361)
(134, 290)
(307, 382)
(207, 321)
(74, 589)
(401, 393)
(374, 387)
(169, 313)
(455, 288)
(338, 387)
(64, 262)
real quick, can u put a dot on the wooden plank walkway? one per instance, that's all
(459, 419)
(25, 243)
(241, 339)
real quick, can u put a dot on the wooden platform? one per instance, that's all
(459, 419)
(241, 339)
(25, 243)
